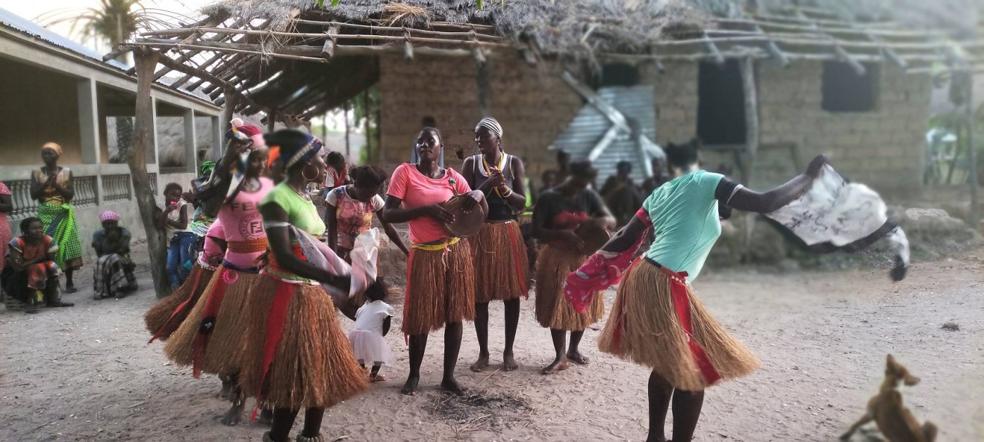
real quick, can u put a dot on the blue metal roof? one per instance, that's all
(13, 21)
(589, 125)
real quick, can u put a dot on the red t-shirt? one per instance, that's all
(417, 190)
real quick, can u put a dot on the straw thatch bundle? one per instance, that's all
(564, 26)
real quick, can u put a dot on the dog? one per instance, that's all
(893, 419)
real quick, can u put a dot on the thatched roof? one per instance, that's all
(241, 43)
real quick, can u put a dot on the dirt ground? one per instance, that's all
(86, 373)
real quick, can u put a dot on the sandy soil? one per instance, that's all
(86, 373)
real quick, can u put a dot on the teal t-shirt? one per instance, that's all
(685, 221)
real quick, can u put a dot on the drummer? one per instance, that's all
(559, 212)
(500, 253)
(440, 288)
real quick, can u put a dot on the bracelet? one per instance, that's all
(508, 194)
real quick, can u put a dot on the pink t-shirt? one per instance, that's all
(243, 226)
(417, 190)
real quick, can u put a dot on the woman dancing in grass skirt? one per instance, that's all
(296, 354)
(440, 288)
(211, 340)
(500, 252)
(167, 315)
(657, 320)
(558, 213)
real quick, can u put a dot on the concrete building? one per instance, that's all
(57, 90)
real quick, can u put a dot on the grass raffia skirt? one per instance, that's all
(296, 354)
(646, 326)
(500, 262)
(211, 338)
(164, 317)
(552, 308)
(440, 288)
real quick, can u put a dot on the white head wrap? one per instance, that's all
(491, 124)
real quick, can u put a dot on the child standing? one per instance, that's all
(351, 208)
(181, 241)
(372, 322)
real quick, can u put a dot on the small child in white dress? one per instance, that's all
(372, 322)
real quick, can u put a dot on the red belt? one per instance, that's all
(248, 246)
(681, 303)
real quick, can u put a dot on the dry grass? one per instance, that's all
(481, 411)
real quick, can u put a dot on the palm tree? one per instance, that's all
(115, 21)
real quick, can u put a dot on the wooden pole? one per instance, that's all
(751, 106)
(366, 111)
(974, 219)
(143, 139)
(482, 83)
(324, 127)
(228, 111)
(348, 149)
(378, 112)
(746, 160)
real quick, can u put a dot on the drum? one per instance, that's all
(467, 222)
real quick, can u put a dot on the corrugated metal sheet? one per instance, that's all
(24, 26)
(13, 21)
(590, 125)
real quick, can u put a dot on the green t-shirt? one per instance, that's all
(685, 221)
(300, 211)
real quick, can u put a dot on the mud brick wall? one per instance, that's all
(532, 102)
(883, 147)
(675, 98)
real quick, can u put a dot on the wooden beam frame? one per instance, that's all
(750, 91)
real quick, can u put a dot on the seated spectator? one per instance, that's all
(34, 279)
(113, 276)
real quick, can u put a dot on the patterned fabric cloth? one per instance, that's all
(5, 232)
(835, 214)
(58, 218)
(354, 216)
(59, 223)
(114, 268)
(111, 276)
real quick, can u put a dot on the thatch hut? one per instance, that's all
(766, 84)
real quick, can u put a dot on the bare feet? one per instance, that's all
(557, 365)
(235, 413)
(577, 358)
(410, 387)
(451, 386)
(481, 364)
(508, 363)
(377, 378)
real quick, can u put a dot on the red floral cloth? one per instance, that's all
(601, 271)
